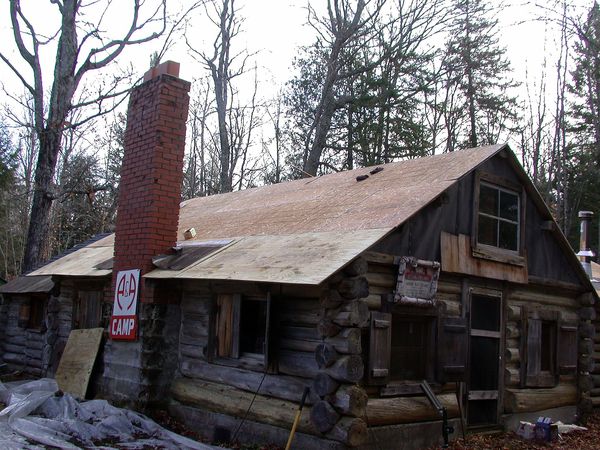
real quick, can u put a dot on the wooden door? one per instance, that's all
(485, 361)
(87, 309)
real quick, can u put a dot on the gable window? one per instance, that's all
(241, 329)
(498, 217)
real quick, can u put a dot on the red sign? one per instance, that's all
(123, 323)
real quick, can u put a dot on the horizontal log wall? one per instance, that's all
(382, 274)
(22, 347)
(343, 315)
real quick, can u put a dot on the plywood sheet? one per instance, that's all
(82, 263)
(457, 258)
(307, 258)
(292, 215)
(76, 364)
(335, 202)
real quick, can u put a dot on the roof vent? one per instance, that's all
(190, 233)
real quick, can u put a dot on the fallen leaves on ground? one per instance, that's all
(581, 440)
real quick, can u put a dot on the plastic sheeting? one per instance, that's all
(38, 415)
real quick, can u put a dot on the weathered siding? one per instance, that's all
(22, 347)
(452, 212)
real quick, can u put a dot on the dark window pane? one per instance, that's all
(487, 232)
(409, 348)
(484, 363)
(547, 347)
(253, 324)
(508, 236)
(485, 313)
(488, 200)
(509, 206)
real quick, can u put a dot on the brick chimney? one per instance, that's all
(152, 171)
(138, 373)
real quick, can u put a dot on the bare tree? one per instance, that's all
(223, 67)
(237, 121)
(197, 180)
(348, 31)
(82, 46)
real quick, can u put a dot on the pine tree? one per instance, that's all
(584, 121)
(478, 78)
(586, 85)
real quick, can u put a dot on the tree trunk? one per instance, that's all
(37, 248)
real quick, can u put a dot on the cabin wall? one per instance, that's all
(23, 348)
(212, 390)
(3, 323)
(573, 382)
(595, 359)
(321, 339)
(36, 348)
(403, 402)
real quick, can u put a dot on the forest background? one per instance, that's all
(328, 86)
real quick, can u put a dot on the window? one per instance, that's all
(410, 347)
(498, 217)
(401, 350)
(241, 330)
(540, 344)
(31, 314)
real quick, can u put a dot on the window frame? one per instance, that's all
(428, 323)
(380, 350)
(491, 252)
(32, 311)
(219, 325)
(532, 374)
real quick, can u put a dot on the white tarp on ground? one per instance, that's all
(35, 416)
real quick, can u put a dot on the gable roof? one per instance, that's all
(302, 231)
(335, 202)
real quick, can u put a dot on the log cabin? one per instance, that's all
(358, 285)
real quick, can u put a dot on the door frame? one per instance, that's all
(500, 295)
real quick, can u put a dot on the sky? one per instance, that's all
(274, 29)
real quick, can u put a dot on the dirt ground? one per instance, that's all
(584, 440)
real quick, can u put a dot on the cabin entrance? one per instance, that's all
(483, 385)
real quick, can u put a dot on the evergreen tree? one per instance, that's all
(480, 108)
(584, 126)
(586, 85)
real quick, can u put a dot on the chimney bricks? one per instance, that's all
(152, 170)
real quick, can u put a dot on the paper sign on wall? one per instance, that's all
(124, 322)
